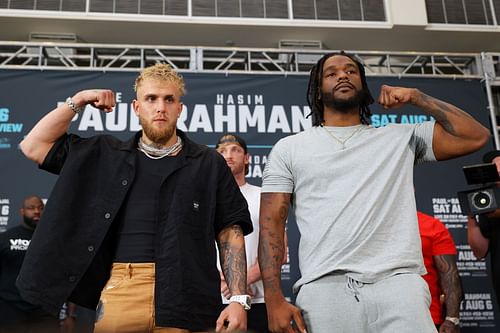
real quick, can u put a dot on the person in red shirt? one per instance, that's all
(439, 252)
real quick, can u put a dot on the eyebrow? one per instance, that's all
(348, 65)
(156, 96)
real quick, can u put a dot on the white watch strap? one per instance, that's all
(244, 300)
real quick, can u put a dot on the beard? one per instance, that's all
(156, 135)
(30, 222)
(343, 104)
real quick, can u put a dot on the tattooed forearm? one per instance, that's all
(442, 111)
(233, 259)
(450, 283)
(273, 214)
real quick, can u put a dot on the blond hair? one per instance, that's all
(161, 72)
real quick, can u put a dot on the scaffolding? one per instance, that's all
(280, 61)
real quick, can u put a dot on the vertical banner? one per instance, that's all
(262, 109)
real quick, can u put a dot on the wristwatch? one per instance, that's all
(244, 300)
(454, 320)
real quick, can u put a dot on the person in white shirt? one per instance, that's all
(234, 149)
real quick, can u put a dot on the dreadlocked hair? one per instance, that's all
(314, 91)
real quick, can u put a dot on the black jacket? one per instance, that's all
(70, 255)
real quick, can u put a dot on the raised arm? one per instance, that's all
(231, 243)
(53, 125)
(456, 133)
(451, 286)
(273, 214)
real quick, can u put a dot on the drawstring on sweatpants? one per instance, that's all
(353, 285)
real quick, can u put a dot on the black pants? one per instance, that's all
(257, 319)
(35, 320)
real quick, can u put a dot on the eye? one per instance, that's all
(170, 99)
(150, 98)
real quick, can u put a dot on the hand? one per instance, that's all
(395, 97)
(99, 98)
(67, 325)
(449, 327)
(232, 318)
(281, 315)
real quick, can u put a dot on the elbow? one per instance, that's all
(478, 254)
(484, 138)
(28, 149)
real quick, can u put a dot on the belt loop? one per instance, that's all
(129, 270)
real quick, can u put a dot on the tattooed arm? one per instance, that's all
(456, 133)
(273, 214)
(451, 286)
(231, 243)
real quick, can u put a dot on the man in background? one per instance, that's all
(234, 150)
(439, 252)
(17, 315)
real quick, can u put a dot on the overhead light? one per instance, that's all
(53, 38)
(301, 44)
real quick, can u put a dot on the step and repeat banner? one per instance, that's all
(262, 109)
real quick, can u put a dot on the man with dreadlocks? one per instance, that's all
(351, 189)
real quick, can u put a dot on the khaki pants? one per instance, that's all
(127, 301)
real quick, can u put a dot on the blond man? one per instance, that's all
(130, 225)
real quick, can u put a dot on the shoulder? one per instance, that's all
(297, 139)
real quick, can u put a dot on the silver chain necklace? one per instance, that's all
(343, 142)
(157, 153)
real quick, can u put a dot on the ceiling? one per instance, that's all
(186, 32)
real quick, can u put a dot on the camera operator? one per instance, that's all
(483, 232)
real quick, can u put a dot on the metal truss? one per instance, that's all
(283, 61)
(102, 57)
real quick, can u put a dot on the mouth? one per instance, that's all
(344, 86)
(160, 120)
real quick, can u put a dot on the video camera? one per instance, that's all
(483, 198)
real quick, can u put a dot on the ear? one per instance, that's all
(181, 106)
(247, 158)
(135, 105)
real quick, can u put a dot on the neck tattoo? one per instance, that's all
(343, 141)
(157, 153)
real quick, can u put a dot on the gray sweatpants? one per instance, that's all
(338, 304)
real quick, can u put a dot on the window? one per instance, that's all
(345, 10)
(461, 11)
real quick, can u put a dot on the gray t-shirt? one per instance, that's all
(355, 207)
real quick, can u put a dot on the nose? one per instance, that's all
(160, 106)
(342, 75)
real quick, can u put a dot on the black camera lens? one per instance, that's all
(481, 200)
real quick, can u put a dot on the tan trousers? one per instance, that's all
(127, 301)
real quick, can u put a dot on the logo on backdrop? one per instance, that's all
(228, 113)
(7, 127)
(448, 210)
(476, 310)
(467, 263)
(379, 120)
(4, 214)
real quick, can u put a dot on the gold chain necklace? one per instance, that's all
(343, 142)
